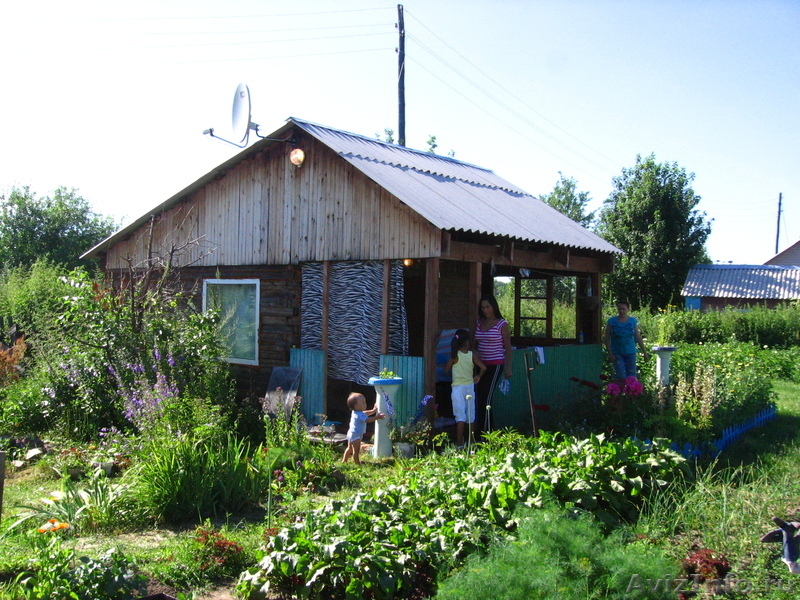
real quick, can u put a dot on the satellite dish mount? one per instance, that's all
(241, 122)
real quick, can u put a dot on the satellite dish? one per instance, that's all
(240, 120)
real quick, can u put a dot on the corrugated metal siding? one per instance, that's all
(312, 382)
(410, 394)
(757, 282)
(550, 382)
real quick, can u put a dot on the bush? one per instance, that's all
(773, 327)
(719, 385)
(94, 346)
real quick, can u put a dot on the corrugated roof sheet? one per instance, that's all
(456, 195)
(757, 282)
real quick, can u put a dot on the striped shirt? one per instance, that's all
(490, 343)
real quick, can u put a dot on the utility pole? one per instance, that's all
(778, 232)
(401, 78)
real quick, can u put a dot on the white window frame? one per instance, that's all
(256, 311)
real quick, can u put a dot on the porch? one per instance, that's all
(550, 382)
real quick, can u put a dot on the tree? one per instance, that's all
(60, 227)
(565, 199)
(651, 215)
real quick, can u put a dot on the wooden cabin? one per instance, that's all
(361, 255)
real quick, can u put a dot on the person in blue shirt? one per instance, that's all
(622, 338)
(358, 425)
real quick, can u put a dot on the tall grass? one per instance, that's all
(184, 478)
(727, 505)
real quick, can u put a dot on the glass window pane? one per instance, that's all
(237, 303)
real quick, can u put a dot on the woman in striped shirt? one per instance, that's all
(493, 345)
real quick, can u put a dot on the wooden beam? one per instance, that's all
(387, 272)
(326, 302)
(474, 293)
(469, 252)
(445, 249)
(507, 249)
(597, 322)
(431, 322)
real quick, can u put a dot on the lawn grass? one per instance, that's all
(728, 505)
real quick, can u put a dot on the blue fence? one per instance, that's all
(729, 436)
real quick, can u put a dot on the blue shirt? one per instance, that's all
(358, 425)
(623, 338)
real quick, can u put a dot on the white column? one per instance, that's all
(664, 354)
(381, 444)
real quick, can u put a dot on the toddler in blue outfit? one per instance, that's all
(358, 424)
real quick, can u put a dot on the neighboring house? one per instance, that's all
(717, 286)
(787, 258)
(364, 254)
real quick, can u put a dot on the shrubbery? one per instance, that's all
(773, 327)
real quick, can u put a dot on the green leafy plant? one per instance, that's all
(387, 543)
(185, 478)
(284, 424)
(387, 374)
(417, 433)
(95, 504)
(560, 555)
(58, 573)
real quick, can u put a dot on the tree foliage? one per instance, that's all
(651, 215)
(567, 200)
(60, 227)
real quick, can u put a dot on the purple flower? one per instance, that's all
(613, 389)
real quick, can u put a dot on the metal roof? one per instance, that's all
(449, 193)
(452, 194)
(757, 282)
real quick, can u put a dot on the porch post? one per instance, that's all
(474, 293)
(431, 322)
(326, 303)
(597, 315)
(387, 271)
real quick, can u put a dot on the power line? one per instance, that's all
(522, 102)
(471, 101)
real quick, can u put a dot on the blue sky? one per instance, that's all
(112, 98)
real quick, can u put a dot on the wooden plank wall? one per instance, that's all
(266, 211)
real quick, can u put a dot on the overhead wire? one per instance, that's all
(501, 121)
(512, 95)
(507, 107)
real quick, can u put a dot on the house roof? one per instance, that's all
(788, 257)
(449, 193)
(756, 282)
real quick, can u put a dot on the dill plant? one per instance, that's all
(556, 555)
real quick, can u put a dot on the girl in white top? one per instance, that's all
(463, 362)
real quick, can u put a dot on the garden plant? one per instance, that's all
(134, 468)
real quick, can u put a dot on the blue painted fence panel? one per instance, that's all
(313, 381)
(409, 396)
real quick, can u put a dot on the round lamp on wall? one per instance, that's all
(297, 156)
